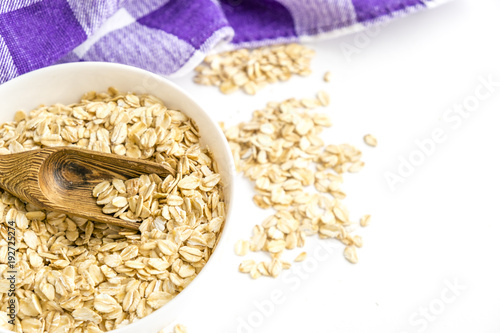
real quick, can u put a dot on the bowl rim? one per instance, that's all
(228, 188)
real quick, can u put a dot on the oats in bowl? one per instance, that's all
(75, 275)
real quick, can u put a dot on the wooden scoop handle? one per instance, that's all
(62, 178)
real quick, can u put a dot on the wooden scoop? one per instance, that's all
(61, 179)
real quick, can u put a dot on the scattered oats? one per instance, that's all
(241, 248)
(247, 266)
(327, 77)
(276, 246)
(262, 268)
(340, 214)
(350, 254)
(324, 98)
(301, 257)
(280, 150)
(227, 87)
(310, 104)
(356, 166)
(286, 264)
(365, 220)
(275, 268)
(357, 241)
(251, 70)
(370, 140)
(179, 328)
(255, 273)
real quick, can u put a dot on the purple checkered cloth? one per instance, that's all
(170, 36)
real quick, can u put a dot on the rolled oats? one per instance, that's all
(350, 254)
(75, 275)
(281, 151)
(301, 257)
(251, 70)
(327, 77)
(241, 248)
(365, 220)
(324, 98)
(370, 140)
(179, 328)
(247, 266)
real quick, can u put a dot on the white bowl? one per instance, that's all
(66, 84)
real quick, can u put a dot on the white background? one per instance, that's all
(442, 224)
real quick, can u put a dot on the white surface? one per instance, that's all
(441, 224)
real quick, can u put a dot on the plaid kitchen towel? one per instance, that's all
(170, 36)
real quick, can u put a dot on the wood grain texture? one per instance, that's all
(61, 179)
